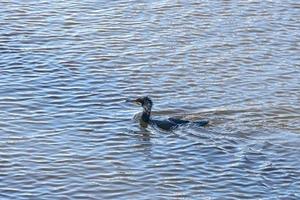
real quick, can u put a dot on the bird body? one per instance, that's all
(145, 119)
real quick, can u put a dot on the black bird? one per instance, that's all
(145, 117)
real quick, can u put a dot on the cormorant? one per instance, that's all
(169, 124)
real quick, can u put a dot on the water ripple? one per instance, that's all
(66, 69)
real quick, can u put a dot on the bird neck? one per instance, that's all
(146, 115)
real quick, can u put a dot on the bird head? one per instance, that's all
(145, 102)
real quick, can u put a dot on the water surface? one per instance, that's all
(67, 67)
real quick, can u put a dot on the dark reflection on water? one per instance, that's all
(67, 67)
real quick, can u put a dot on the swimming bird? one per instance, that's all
(169, 124)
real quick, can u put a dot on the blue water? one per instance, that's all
(66, 69)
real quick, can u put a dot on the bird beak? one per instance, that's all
(135, 101)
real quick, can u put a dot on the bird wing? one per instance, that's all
(164, 124)
(178, 121)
